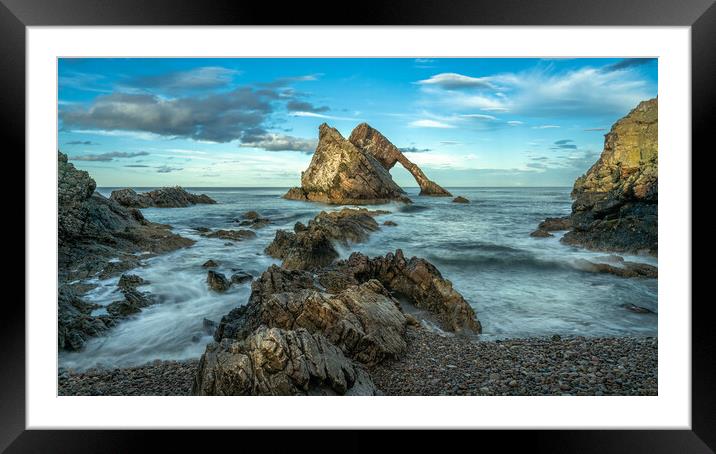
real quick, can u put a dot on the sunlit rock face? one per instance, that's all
(616, 202)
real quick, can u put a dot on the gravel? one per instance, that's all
(437, 364)
(158, 378)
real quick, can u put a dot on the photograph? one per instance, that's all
(394, 226)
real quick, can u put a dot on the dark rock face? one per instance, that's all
(415, 278)
(372, 142)
(241, 277)
(75, 322)
(627, 269)
(254, 220)
(170, 197)
(210, 264)
(555, 224)
(311, 247)
(217, 281)
(460, 199)
(93, 229)
(273, 361)
(130, 281)
(616, 201)
(342, 174)
(234, 235)
(133, 303)
(539, 233)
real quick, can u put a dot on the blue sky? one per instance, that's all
(254, 122)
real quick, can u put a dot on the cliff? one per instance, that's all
(616, 202)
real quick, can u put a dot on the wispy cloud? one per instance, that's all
(279, 142)
(304, 106)
(453, 81)
(80, 142)
(320, 115)
(168, 169)
(627, 63)
(203, 78)
(110, 156)
(546, 127)
(427, 123)
(414, 150)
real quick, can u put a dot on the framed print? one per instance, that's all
(419, 218)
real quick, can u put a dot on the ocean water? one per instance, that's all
(519, 286)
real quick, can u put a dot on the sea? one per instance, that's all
(519, 286)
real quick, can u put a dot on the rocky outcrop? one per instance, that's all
(93, 229)
(169, 197)
(217, 281)
(414, 278)
(372, 142)
(460, 199)
(350, 305)
(233, 235)
(624, 269)
(75, 324)
(273, 361)
(363, 320)
(254, 220)
(616, 202)
(340, 173)
(311, 247)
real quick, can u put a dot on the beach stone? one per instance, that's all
(217, 281)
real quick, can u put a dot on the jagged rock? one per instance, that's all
(241, 277)
(133, 303)
(209, 326)
(555, 224)
(93, 229)
(234, 235)
(169, 197)
(217, 281)
(130, 281)
(210, 264)
(340, 173)
(415, 278)
(273, 361)
(254, 220)
(539, 233)
(627, 269)
(202, 229)
(311, 247)
(363, 320)
(390, 223)
(460, 199)
(616, 202)
(371, 141)
(75, 322)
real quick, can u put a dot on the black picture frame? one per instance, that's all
(700, 15)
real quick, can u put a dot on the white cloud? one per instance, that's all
(452, 81)
(545, 127)
(515, 123)
(479, 116)
(319, 115)
(425, 123)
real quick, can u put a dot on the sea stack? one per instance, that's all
(372, 142)
(340, 173)
(616, 202)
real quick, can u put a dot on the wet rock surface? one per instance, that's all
(92, 230)
(168, 197)
(460, 199)
(311, 246)
(217, 281)
(624, 269)
(234, 235)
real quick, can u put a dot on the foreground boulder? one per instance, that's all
(372, 142)
(273, 361)
(93, 229)
(311, 247)
(169, 197)
(616, 202)
(340, 173)
(364, 321)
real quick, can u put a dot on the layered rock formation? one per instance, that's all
(616, 202)
(169, 197)
(311, 247)
(350, 305)
(272, 361)
(93, 229)
(372, 142)
(340, 173)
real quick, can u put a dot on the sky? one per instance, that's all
(237, 122)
